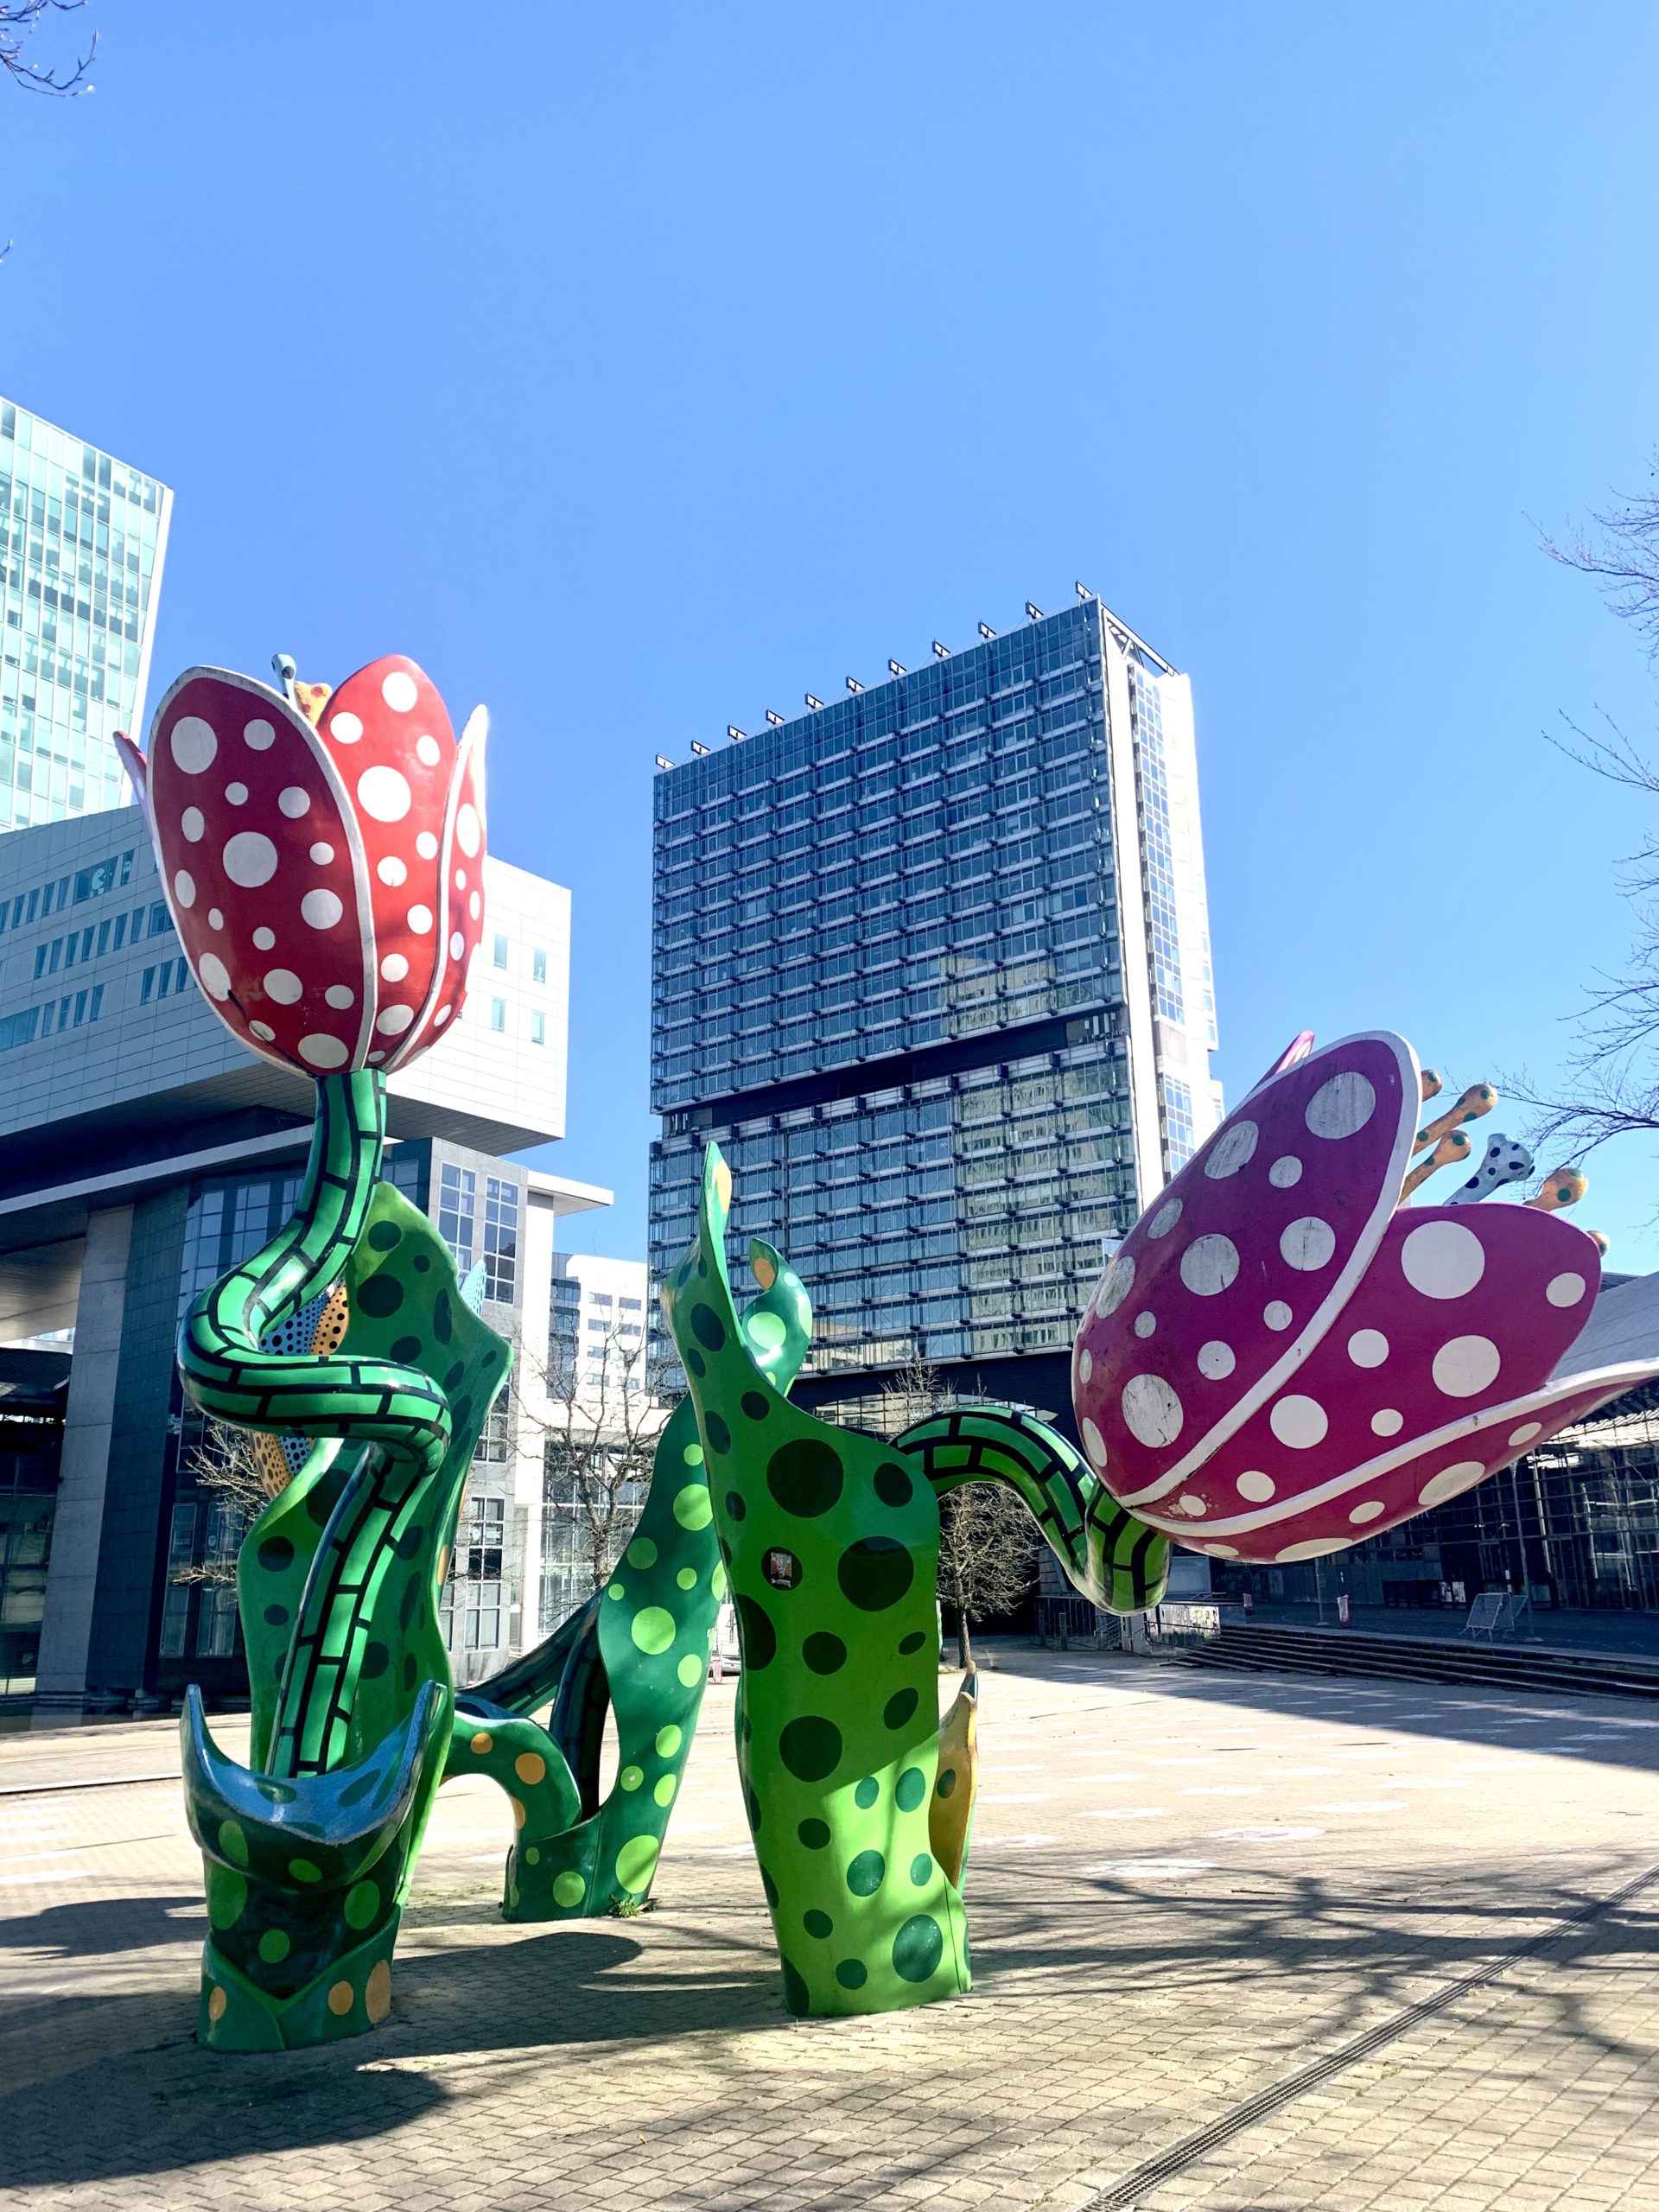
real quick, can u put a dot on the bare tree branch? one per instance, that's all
(19, 21)
(598, 1412)
(242, 1472)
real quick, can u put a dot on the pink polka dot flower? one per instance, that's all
(323, 858)
(1283, 1359)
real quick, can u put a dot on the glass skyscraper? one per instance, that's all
(932, 964)
(82, 540)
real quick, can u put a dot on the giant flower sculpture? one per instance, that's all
(325, 875)
(1283, 1358)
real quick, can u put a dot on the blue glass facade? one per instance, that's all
(82, 541)
(889, 980)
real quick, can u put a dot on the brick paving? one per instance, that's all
(1184, 1888)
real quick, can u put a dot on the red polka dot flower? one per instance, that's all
(323, 857)
(1285, 1358)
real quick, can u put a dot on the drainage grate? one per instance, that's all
(1123, 2196)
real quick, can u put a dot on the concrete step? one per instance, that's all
(1530, 1666)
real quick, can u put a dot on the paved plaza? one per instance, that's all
(1241, 1942)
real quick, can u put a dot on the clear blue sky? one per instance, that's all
(638, 368)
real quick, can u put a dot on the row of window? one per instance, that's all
(458, 1225)
(99, 937)
(112, 874)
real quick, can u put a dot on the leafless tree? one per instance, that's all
(1609, 1085)
(242, 1472)
(19, 21)
(597, 1411)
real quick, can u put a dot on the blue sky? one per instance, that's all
(638, 369)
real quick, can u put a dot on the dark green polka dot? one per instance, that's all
(921, 1868)
(867, 1873)
(452, 1380)
(752, 1807)
(276, 1554)
(275, 1616)
(852, 1973)
(720, 1437)
(376, 1660)
(760, 1638)
(947, 1782)
(893, 1485)
(898, 1707)
(818, 1924)
(805, 1476)
(421, 1262)
(796, 1996)
(913, 1642)
(910, 1789)
(770, 1887)
(810, 1747)
(384, 1236)
(917, 1947)
(409, 1604)
(875, 1573)
(814, 1833)
(823, 1653)
(406, 1348)
(379, 1296)
(443, 1318)
(707, 1328)
(410, 1670)
(735, 1506)
(867, 1791)
(408, 1546)
(695, 1361)
(754, 1405)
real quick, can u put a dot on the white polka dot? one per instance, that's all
(1085, 1363)
(321, 854)
(460, 878)
(1209, 1265)
(322, 909)
(375, 1058)
(394, 967)
(1566, 1290)
(1449, 1481)
(1342, 1107)
(474, 906)
(1277, 1314)
(1165, 1218)
(1465, 1366)
(264, 939)
(258, 736)
(1315, 1550)
(237, 794)
(1256, 1486)
(340, 994)
(398, 691)
(263, 1031)
(194, 744)
(1299, 1421)
(1307, 1244)
(1368, 1347)
(1443, 1259)
(1285, 1173)
(420, 920)
(458, 945)
(294, 802)
(345, 729)
(249, 859)
(213, 975)
(319, 1051)
(1369, 1512)
(427, 845)
(215, 919)
(184, 888)
(1387, 1422)
(1115, 1285)
(429, 751)
(384, 793)
(1234, 1150)
(283, 985)
(1152, 1409)
(193, 823)
(1216, 1360)
(1526, 1431)
(1094, 1444)
(1191, 1504)
(1220, 1551)
(443, 1014)
(394, 1020)
(469, 830)
(391, 870)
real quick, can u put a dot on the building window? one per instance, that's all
(498, 1014)
(537, 1027)
(538, 965)
(492, 1446)
(500, 1239)
(457, 1220)
(498, 951)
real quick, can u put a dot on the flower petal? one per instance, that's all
(461, 895)
(263, 868)
(1237, 1269)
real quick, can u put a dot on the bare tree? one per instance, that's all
(598, 1411)
(19, 21)
(241, 1469)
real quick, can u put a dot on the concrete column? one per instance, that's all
(76, 1527)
